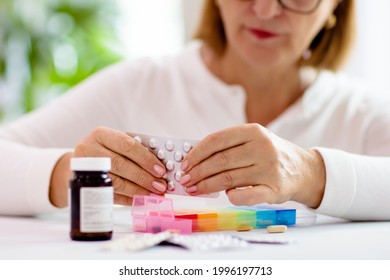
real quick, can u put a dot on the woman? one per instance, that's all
(257, 92)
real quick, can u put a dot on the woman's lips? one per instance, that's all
(262, 34)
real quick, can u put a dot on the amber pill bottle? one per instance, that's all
(91, 199)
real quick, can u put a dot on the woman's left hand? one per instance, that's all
(254, 166)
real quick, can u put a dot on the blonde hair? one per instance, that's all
(329, 49)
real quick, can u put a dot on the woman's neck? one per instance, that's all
(269, 91)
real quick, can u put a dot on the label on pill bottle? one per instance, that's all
(96, 209)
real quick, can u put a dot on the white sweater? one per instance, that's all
(179, 97)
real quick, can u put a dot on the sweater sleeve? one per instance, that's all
(31, 146)
(357, 186)
(358, 182)
(26, 174)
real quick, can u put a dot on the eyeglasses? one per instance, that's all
(299, 6)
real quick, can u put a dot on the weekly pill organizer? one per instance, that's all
(155, 222)
(171, 152)
(154, 214)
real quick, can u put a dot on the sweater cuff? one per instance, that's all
(38, 179)
(340, 187)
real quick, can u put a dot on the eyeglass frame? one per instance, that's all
(283, 5)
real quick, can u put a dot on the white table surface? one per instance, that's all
(47, 237)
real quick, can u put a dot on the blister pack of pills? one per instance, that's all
(137, 242)
(208, 242)
(200, 243)
(171, 152)
(265, 239)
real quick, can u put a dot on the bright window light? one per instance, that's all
(151, 27)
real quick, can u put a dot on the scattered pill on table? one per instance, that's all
(277, 229)
(244, 228)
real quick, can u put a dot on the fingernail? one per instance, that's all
(184, 165)
(185, 179)
(159, 170)
(159, 186)
(192, 189)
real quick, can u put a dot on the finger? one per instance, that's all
(251, 195)
(126, 187)
(125, 168)
(233, 158)
(122, 200)
(226, 180)
(125, 145)
(213, 143)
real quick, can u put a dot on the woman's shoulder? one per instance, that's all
(342, 96)
(183, 61)
(144, 76)
(341, 87)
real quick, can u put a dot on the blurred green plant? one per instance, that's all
(47, 46)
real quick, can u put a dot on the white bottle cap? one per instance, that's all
(90, 164)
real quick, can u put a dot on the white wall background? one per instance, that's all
(370, 59)
(151, 27)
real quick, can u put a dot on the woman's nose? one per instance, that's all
(266, 9)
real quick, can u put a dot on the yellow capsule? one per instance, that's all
(244, 228)
(277, 229)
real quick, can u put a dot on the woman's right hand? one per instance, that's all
(134, 169)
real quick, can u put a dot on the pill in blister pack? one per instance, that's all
(171, 152)
(208, 242)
